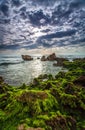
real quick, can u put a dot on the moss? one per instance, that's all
(39, 123)
(48, 103)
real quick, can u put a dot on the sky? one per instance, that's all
(42, 24)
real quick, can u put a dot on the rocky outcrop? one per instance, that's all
(32, 96)
(60, 61)
(79, 59)
(38, 57)
(80, 81)
(43, 58)
(52, 57)
(27, 57)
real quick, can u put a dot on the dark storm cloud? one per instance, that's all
(59, 34)
(35, 17)
(12, 47)
(16, 2)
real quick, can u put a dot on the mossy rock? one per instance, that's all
(61, 123)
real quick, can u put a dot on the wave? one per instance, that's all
(10, 63)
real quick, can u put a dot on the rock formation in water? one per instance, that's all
(43, 58)
(27, 57)
(51, 57)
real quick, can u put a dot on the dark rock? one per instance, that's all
(48, 86)
(43, 58)
(60, 61)
(38, 57)
(72, 122)
(60, 123)
(51, 57)
(1, 79)
(79, 59)
(69, 89)
(55, 64)
(80, 81)
(44, 76)
(61, 74)
(32, 96)
(27, 57)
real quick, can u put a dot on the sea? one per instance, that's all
(16, 71)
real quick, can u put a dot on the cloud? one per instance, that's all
(41, 23)
(12, 47)
(59, 34)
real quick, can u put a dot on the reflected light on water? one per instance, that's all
(37, 68)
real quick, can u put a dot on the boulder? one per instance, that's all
(61, 123)
(80, 81)
(38, 58)
(51, 57)
(27, 57)
(43, 58)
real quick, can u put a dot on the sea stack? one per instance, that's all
(27, 57)
(43, 58)
(52, 57)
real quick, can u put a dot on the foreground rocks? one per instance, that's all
(80, 81)
(48, 103)
(23, 127)
(27, 57)
(62, 123)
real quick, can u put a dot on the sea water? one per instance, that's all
(16, 71)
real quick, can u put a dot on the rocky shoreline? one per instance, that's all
(48, 103)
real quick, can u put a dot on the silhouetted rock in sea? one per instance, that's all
(38, 58)
(51, 57)
(27, 57)
(43, 58)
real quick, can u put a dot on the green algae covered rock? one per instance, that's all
(46, 104)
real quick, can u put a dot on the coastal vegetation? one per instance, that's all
(48, 103)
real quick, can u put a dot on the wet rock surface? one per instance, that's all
(27, 57)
